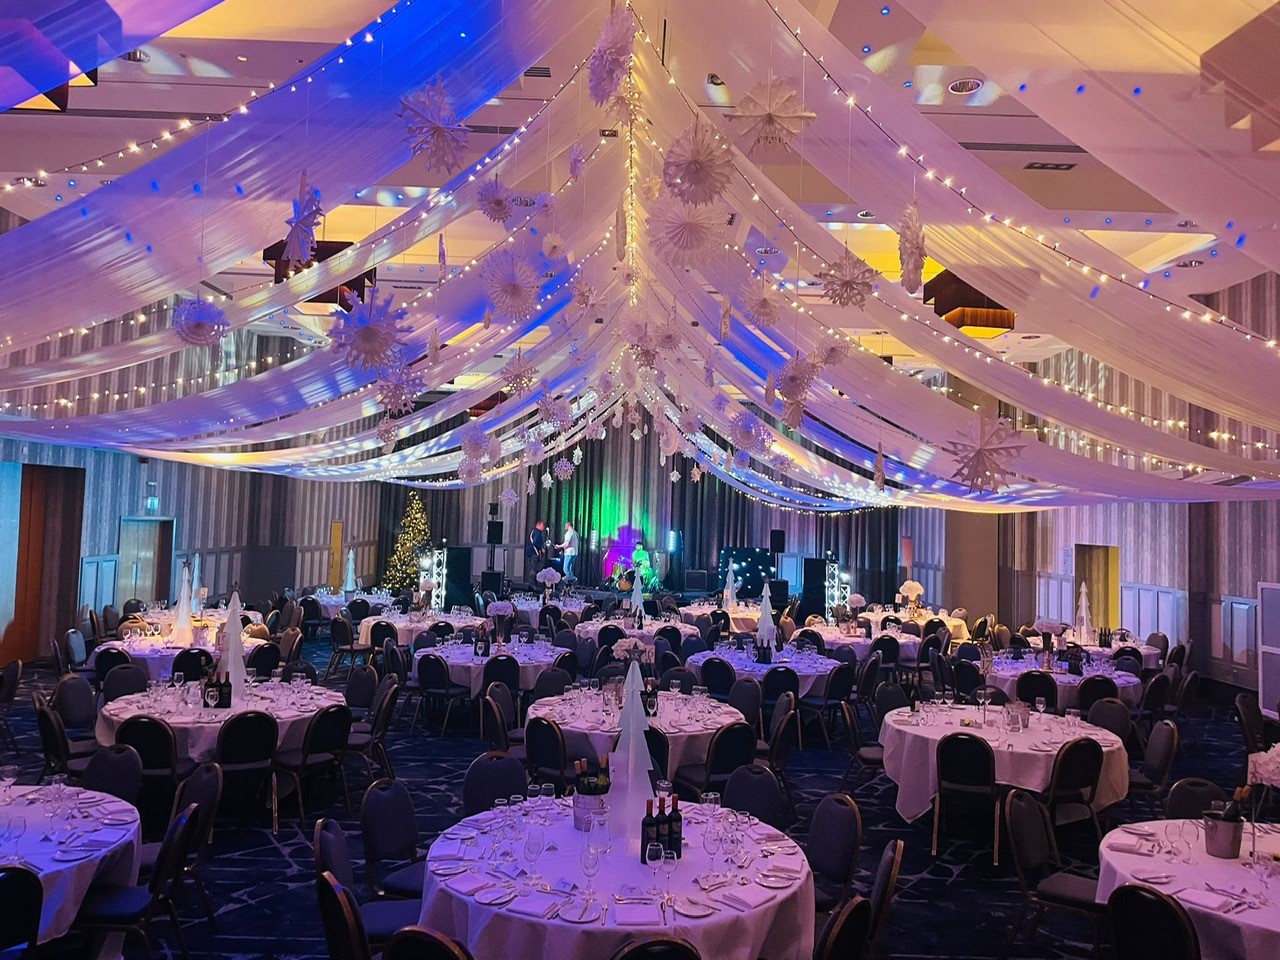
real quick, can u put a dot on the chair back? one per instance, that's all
(883, 888)
(745, 696)
(601, 660)
(718, 676)
(327, 732)
(889, 696)
(731, 747)
(565, 639)
(609, 634)
(1111, 713)
(1178, 655)
(1252, 725)
(493, 725)
(121, 681)
(153, 738)
(869, 676)
(21, 902)
(840, 681)
(362, 681)
(657, 948)
(1035, 684)
(76, 650)
(330, 851)
(911, 629)
(969, 651)
(53, 739)
(682, 675)
(691, 646)
(755, 790)
(659, 747)
(995, 696)
(502, 668)
(340, 633)
(1191, 797)
(192, 663)
(259, 631)
(1162, 748)
(422, 943)
(888, 647)
(107, 659)
(1035, 853)
(568, 662)
(203, 788)
(73, 699)
(264, 659)
(1127, 665)
(175, 849)
(116, 770)
(1146, 923)
(359, 609)
(965, 761)
(845, 935)
(551, 683)
(247, 739)
(1187, 690)
(968, 677)
(490, 776)
(778, 680)
(312, 612)
(1076, 770)
(544, 745)
(299, 668)
(835, 838)
(381, 631)
(500, 693)
(388, 826)
(1156, 695)
(1095, 688)
(344, 932)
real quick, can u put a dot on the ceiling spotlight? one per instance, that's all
(767, 251)
(136, 55)
(865, 215)
(965, 86)
(713, 79)
(242, 59)
(1188, 224)
(1188, 264)
(29, 182)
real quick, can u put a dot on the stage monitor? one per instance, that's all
(491, 580)
(752, 567)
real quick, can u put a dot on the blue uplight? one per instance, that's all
(884, 11)
(1080, 89)
(1022, 88)
(866, 48)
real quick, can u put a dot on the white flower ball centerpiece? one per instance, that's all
(548, 577)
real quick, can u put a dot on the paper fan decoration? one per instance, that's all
(533, 450)
(398, 387)
(984, 455)
(831, 349)
(685, 235)
(474, 440)
(557, 411)
(469, 470)
(747, 433)
(585, 295)
(494, 451)
(771, 115)
(562, 468)
(511, 284)
(369, 333)
(697, 165)
(911, 251)
(300, 241)
(611, 57)
(508, 496)
(690, 422)
(199, 323)
(519, 375)
(877, 475)
(762, 303)
(849, 281)
(431, 128)
(496, 201)
(577, 160)
(553, 246)
(794, 381)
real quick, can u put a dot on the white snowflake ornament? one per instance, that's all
(772, 115)
(697, 166)
(695, 475)
(685, 235)
(911, 252)
(519, 374)
(611, 58)
(762, 303)
(199, 323)
(577, 160)
(553, 247)
(398, 387)
(508, 496)
(511, 284)
(562, 468)
(432, 129)
(300, 241)
(496, 201)
(546, 480)
(849, 281)
(985, 455)
(369, 333)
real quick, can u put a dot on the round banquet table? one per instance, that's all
(1023, 759)
(835, 639)
(332, 603)
(959, 629)
(774, 923)
(527, 609)
(1150, 655)
(195, 728)
(1251, 932)
(591, 629)
(590, 723)
(208, 621)
(467, 669)
(408, 626)
(742, 618)
(156, 654)
(97, 838)
(1005, 673)
(810, 668)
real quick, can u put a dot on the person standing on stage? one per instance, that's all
(535, 548)
(569, 547)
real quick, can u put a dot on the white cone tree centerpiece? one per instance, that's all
(349, 584)
(629, 764)
(231, 647)
(766, 629)
(182, 634)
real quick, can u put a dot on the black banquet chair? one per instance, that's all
(422, 943)
(967, 782)
(1148, 923)
(21, 900)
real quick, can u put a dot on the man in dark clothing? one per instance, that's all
(535, 549)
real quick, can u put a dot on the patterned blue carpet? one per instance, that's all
(957, 905)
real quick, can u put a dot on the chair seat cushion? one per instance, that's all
(872, 756)
(407, 881)
(1139, 782)
(361, 726)
(694, 773)
(359, 740)
(1069, 889)
(515, 735)
(383, 918)
(112, 903)
(292, 760)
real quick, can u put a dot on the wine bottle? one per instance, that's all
(602, 778)
(664, 824)
(676, 827)
(648, 830)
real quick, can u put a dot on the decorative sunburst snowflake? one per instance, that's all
(747, 433)
(794, 381)
(685, 235)
(473, 439)
(553, 246)
(398, 387)
(200, 323)
(300, 241)
(532, 450)
(562, 468)
(984, 455)
(690, 422)
(369, 333)
(762, 303)
(496, 201)
(469, 470)
(849, 281)
(508, 496)
(831, 349)
(577, 160)
(511, 284)
(557, 411)
(911, 250)
(611, 58)
(386, 433)
(697, 166)
(431, 128)
(644, 349)
(494, 452)
(771, 115)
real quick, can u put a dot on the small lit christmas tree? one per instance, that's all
(402, 566)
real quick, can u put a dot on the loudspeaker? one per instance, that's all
(813, 592)
(491, 580)
(777, 542)
(493, 509)
(457, 580)
(778, 593)
(494, 537)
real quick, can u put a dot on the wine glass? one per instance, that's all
(984, 697)
(668, 868)
(711, 842)
(535, 842)
(675, 686)
(1189, 833)
(8, 777)
(1172, 834)
(653, 854)
(589, 860)
(1041, 703)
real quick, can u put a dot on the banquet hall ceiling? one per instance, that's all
(1051, 159)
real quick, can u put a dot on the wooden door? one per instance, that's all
(145, 570)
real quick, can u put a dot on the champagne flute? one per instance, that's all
(589, 861)
(535, 842)
(653, 855)
(668, 868)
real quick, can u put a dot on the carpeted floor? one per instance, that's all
(957, 905)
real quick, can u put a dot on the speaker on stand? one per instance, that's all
(493, 538)
(777, 546)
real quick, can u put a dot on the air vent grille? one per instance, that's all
(538, 73)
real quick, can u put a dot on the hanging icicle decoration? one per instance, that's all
(726, 313)
(443, 259)
(911, 250)
(433, 349)
(878, 473)
(770, 390)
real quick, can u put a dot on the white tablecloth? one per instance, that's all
(332, 603)
(590, 724)
(1250, 934)
(207, 622)
(1150, 655)
(66, 882)
(743, 618)
(811, 669)
(467, 669)
(156, 656)
(591, 629)
(1005, 676)
(196, 729)
(780, 929)
(908, 646)
(959, 629)
(910, 754)
(409, 626)
(527, 610)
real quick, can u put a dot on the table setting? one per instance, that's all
(743, 617)
(958, 628)
(467, 668)
(591, 720)
(1024, 752)
(811, 668)
(1004, 671)
(409, 625)
(209, 620)
(155, 651)
(70, 838)
(528, 607)
(196, 726)
(331, 603)
(590, 630)
(848, 636)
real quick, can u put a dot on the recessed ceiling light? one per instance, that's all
(1031, 336)
(1188, 264)
(29, 182)
(137, 55)
(242, 59)
(1187, 224)
(866, 215)
(766, 251)
(965, 86)
(713, 80)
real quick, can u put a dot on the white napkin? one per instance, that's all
(637, 915)
(1136, 847)
(446, 847)
(1205, 899)
(746, 898)
(534, 904)
(784, 870)
(468, 883)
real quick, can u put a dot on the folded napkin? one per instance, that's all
(751, 896)
(762, 831)
(468, 883)
(1205, 899)
(1136, 847)
(711, 881)
(534, 904)
(637, 915)
(446, 847)
(784, 870)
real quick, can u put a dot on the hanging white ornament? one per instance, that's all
(611, 58)
(494, 453)
(762, 303)
(398, 387)
(300, 241)
(684, 235)
(644, 350)
(386, 433)
(533, 451)
(577, 456)
(469, 470)
(794, 381)
(369, 333)
(473, 439)
(726, 314)
(635, 433)
(577, 160)
(911, 252)
(769, 390)
(779, 460)
(674, 475)
(432, 129)
(668, 442)
(585, 296)
(741, 459)
(878, 473)
(772, 115)
(495, 200)
(557, 411)
(697, 166)
(695, 475)
(605, 385)
(690, 422)
(545, 204)
(617, 417)
(433, 348)
(443, 259)
(200, 323)
(487, 319)
(832, 349)
(719, 403)
(620, 233)
(508, 496)
(562, 469)
(709, 374)
(985, 454)
(546, 480)
(519, 374)
(553, 247)
(849, 281)
(747, 433)
(532, 487)
(511, 284)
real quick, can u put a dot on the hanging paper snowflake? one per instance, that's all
(849, 281)
(726, 314)
(519, 374)
(695, 475)
(442, 258)
(697, 165)
(772, 115)
(533, 451)
(911, 251)
(511, 284)
(200, 323)
(300, 241)
(669, 335)
(636, 434)
(668, 442)
(779, 461)
(674, 475)
(577, 456)
(431, 128)
(495, 200)
(794, 381)
(617, 417)
(398, 387)
(553, 246)
(585, 296)
(877, 474)
(747, 433)
(369, 333)
(531, 487)
(611, 58)
(557, 411)
(685, 235)
(386, 433)
(469, 470)
(494, 453)
(984, 455)
(605, 385)
(762, 303)
(508, 496)
(741, 459)
(770, 389)
(720, 403)
(832, 349)
(577, 160)
(690, 422)
(473, 439)
(709, 374)
(644, 350)
(546, 480)
(562, 468)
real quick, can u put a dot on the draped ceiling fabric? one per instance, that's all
(44, 43)
(222, 195)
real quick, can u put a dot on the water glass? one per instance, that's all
(711, 801)
(664, 791)
(668, 868)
